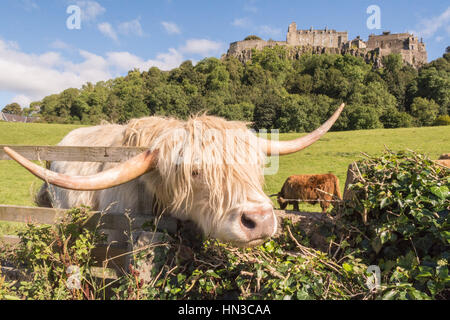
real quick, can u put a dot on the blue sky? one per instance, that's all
(39, 55)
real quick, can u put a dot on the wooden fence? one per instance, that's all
(116, 252)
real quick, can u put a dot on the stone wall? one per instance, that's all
(324, 38)
(243, 49)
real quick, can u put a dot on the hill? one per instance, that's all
(273, 91)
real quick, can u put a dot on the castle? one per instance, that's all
(412, 50)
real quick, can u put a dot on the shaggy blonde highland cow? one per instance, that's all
(205, 169)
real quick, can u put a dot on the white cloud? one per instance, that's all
(428, 27)
(131, 27)
(269, 31)
(23, 100)
(30, 77)
(171, 27)
(202, 46)
(250, 6)
(108, 30)
(241, 22)
(125, 61)
(29, 5)
(90, 10)
(58, 44)
(167, 61)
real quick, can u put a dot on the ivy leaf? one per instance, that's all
(376, 244)
(440, 192)
(347, 267)
(384, 203)
(390, 295)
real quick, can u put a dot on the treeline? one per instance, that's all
(272, 92)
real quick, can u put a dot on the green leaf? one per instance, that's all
(269, 246)
(347, 267)
(384, 202)
(376, 244)
(390, 295)
(440, 192)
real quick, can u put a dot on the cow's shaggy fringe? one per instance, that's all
(188, 156)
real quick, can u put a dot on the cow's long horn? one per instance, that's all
(291, 146)
(124, 172)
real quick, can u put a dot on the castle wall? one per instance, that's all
(243, 49)
(253, 44)
(323, 38)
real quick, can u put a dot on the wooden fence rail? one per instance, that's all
(69, 153)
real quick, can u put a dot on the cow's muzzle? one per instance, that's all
(258, 225)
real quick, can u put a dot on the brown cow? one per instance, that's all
(444, 160)
(320, 188)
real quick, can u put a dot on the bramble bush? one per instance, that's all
(399, 220)
(46, 252)
(279, 269)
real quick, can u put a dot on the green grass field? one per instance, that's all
(332, 153)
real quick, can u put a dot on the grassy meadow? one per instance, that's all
(332, 153)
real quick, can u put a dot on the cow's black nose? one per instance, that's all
(258, 224)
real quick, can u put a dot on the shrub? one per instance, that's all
(395, 119)
(443, 120)
(252, 37)
(424, 110)
(47, 252)
(399, 219)
(279, 269)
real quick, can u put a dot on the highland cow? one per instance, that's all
(193, 170)
(312, 188)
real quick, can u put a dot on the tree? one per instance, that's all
(252, 37)
(434, 83)
(425, 110)
(363, 117)
(13, 108)
(266, 110)
(398, 79)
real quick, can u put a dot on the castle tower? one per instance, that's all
(291, 37)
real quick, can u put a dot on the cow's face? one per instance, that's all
(212, 173)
